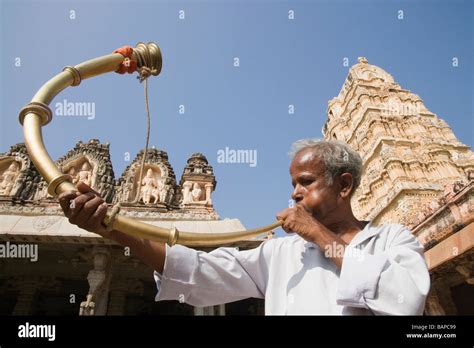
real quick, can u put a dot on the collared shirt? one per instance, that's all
(383, 272)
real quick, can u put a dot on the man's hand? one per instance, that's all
(85, 208)
(297, 219)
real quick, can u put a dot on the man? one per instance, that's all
(332, 264)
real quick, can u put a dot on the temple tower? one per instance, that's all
(411, 157)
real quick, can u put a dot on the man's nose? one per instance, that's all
(297, 195)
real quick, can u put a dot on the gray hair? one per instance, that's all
(337, 156)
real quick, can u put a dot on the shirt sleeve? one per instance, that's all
(394, 282)
(221, 276)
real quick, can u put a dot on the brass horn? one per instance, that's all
(37, 114)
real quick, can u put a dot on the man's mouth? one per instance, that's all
(304, 207)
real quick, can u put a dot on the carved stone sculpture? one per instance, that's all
(186, 192)
(196, 193)
(8, 178)
(156, 184)
(197, 183)
(152, 189)
(73, 174)
(85, 175)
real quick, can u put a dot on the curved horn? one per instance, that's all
(37, 114)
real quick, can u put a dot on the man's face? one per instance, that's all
(310, 187)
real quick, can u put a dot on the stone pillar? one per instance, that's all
(117, 297)
(221, 309)
(26, 297)
(466, 272)
(99, 279)
(198, 311)
(186, 188)
(204, 310)
(210, 310)
(433, 306)
(444, 296)
(208, 187)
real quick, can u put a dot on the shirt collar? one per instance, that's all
(367, 232)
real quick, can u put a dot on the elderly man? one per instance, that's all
(331, 264)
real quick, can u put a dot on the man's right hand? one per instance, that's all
(85, 208)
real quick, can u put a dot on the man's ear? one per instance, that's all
(347, 184)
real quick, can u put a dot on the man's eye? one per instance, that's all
(306, 182)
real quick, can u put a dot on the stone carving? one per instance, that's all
(197, 164)
(18, 176)
(433, 225)
(451, 189)
(85, 175)
(43, 222)
(197, 182)
(54, 209)
(152, 189)
(42, 192)
(73, 174)
(166, 192)
(90, 163)
(186, 192)
(365, 71)
(197, 195)
(157, 185)
(8, 178)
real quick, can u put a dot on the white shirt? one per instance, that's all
(383, 272)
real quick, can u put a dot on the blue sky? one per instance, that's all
(282, 62)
